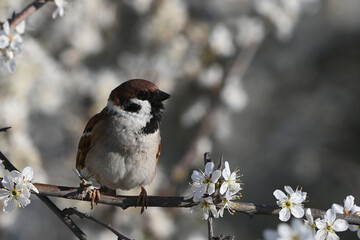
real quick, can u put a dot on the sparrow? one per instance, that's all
(121, 146)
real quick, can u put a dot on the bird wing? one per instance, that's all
(86, 140)
(158, 153)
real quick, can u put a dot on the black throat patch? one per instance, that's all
(154, 123)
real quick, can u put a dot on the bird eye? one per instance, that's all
(131, 107)
(143, 95)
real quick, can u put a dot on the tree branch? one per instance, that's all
(4, 129)
(250, 209)
(64, 218)
(30, 9)
(74, 211)
(210, 228)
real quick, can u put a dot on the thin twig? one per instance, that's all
(74, 211)
(4, 129)
(210, 228)
(65, 219)
(30, 9)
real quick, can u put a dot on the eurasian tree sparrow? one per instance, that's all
(120, 146)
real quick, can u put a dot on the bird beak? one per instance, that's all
(161, 96)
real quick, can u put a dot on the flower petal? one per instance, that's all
(330, 216)
(289, 189)
(226, 171)
(7, 182)
(321, 234)
(9, 205)
(296, 198)
(279, 195)
(337, 208)
(332, 236)
(284, 215)
(206, 213)
(15, 175)
(197, 176)
(353, 228)
(284, 230)
(223, 188)
(23, 201)
(20, 28)
(349, 202)
(200, 191)
(309, 216)
(211, 188)
(340, 225)
(297, 211)
(320, 223)
(4, 41)
(214, 211)
(4, 193)
(6, 27)
(27, 174)
(209, 167)
(32, 187)
(215, 176)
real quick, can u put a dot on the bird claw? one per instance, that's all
(142, 199)
(94, 196)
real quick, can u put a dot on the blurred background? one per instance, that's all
(272, 85)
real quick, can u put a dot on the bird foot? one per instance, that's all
(142, 199)
(94, 196)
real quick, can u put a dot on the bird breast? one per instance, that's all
(121, 156)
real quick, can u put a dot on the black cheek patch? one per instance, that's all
(131, 107)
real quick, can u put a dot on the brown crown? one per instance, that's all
(130, 89)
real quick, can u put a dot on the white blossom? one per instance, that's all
(10, 45)
(207, 206)
(309, 222)
(329, 225)
(16, 191)
(291, 203)
(204, 182)
(228, 204)
(220, 187)
(230, 186)
(355, 228)
(296, 230)
(348, 208)
(27, 176)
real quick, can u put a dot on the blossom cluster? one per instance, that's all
(215, 190)
(290, 203)
(17, 189)
(320, 229)
(10, 45)
(11, 41)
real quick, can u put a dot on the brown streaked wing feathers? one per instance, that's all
(85, 141)
(158, 154)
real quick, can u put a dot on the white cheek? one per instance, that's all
(135, 119)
